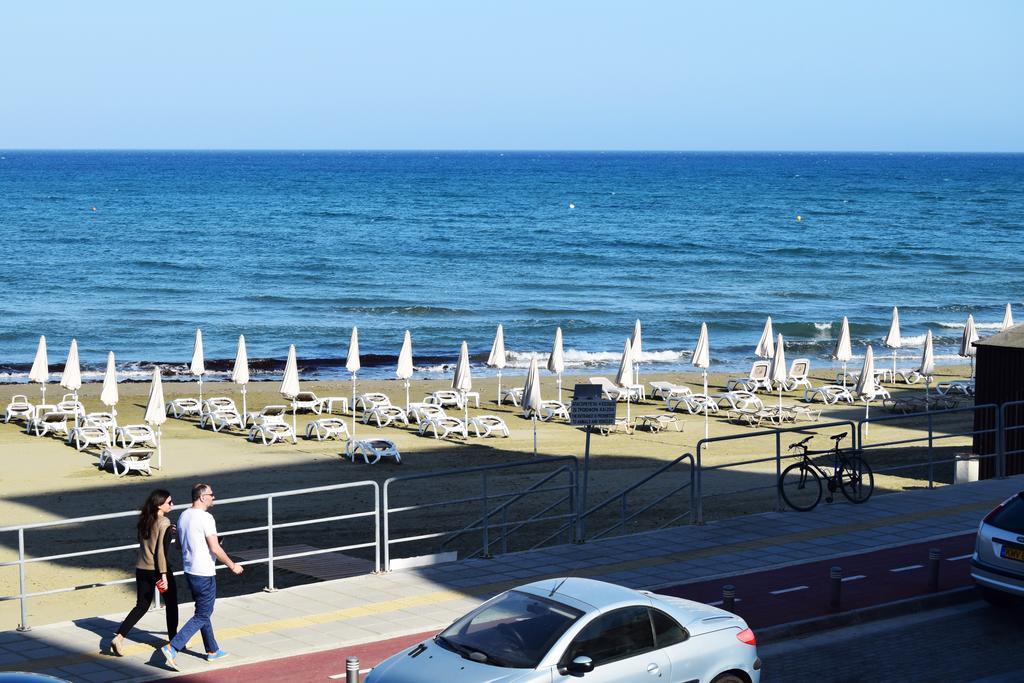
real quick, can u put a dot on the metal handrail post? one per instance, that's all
(376, 528)
(23, 626)
(385, 539)
(931, 443)
(778, 472)
(270, 544)
(1001, 441)
(692, 490)
(487, 519)
(699, 517)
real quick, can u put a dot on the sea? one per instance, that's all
(131, 252)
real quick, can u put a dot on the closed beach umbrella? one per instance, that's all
(556, 361)
(497, 358)
(624, 378)
(637, 345)
(40, 371)
(777, 370)
(156, 413)
(352, 364)
(198, 365)
(290, 383)
(866, 381)
(843, 350)
(531, 397)
(404, 369)
(927, 368)
(702, 360)
(462, 381)
(967, 349)
(109, 394)
(240, 373)
(1007, 318)
(71, 378)
(893, 340)
(765, 348)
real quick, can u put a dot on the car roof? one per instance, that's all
(587, 594)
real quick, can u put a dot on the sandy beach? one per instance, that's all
(45, 479)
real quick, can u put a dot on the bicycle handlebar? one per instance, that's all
(800, 444)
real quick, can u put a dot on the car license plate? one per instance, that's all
(1013, 553)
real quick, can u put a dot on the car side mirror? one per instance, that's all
(581, 665)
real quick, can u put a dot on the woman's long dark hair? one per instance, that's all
(149, 512)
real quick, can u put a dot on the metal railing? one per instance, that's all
(270, 527)
(491, 503)
(934, 436)
(777, 458)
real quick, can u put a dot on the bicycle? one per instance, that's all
(800, 483)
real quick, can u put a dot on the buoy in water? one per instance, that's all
(571, 205)
(799, 217)
(94, 208)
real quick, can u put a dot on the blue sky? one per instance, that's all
(938, 76)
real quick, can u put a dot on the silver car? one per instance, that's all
(997, 566)
(576, 629)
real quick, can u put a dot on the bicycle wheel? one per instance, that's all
(856, 480)
(800, 487)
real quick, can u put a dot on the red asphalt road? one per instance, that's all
(756, 604)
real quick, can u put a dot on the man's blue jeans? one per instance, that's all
(204, 590)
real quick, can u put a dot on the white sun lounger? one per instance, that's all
(656, 423)
(370, 400)
(270, 429)
(385, 415)
(513, 394)
(307, 400)
(125, 460)
(424, 411)
(797, 377)
(105, 420)
(615, 393)
(965, 387)
(89, 434)
(227, 418)
(445, 398)
(19, 409)
(693, 403)
(443, 426)
(71, 407)
(52, 422)
(489, 425)
(757, 379)
(272, 411)
(180, 407)
(551, 409)
(663, 390)
(737, 399)
(327, 428)
(372, 448)
(828, 394)
(130, 436)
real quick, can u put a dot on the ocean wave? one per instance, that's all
(960, 325)
(585, 359)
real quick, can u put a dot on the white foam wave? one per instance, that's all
(584, 359)
(977, 325)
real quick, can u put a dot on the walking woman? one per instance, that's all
(152, 569)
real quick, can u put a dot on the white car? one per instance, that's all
(997, 566)
(576, 629)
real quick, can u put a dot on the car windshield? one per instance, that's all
(513, 630)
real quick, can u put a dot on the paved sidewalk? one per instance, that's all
(364, 609)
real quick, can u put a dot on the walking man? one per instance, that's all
(197, 536)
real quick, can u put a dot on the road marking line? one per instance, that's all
(907, 568)
(959, 557)
(716, 603)
(854, 578)
(788, 590)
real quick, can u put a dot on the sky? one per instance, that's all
(559, 75)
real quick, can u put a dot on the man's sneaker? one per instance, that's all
(214, 656)
(168, 652)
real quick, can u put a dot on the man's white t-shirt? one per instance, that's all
(193, 528)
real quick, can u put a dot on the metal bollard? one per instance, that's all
(934, 555)
(835, 575)
(729, 597)
(352, 670)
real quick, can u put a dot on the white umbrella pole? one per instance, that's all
(353, 405)
(535, 434)
(74, 395)
(245, 408)
(200, 388)
(465, 410)
(499, 387)
(844, 374)
(627, 411)
(893, 366)
(159, 449)
(294, 425)
(407, 395)
(559, 387)
(42, 388)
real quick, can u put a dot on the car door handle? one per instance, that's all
(653, 669)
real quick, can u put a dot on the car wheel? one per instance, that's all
(728, 678)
